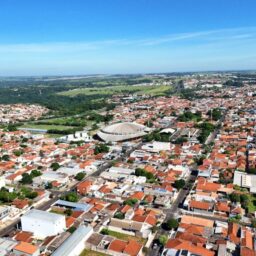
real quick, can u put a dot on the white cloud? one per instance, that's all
(199, 37)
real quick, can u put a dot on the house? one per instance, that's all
(130, 248)
(84, 187)
(201, 206)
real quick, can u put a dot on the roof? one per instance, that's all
(178, 244)
(77, 206)
(24, 236)
(197, 221)
(131, 247)
(200, 205)
(26, 248)
(39, 215)
(69, 245)
(122, 131)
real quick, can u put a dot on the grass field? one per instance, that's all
(46, 127)
(150, 90)
(87, 252)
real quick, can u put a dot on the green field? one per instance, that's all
(46, 127)
(149, 90)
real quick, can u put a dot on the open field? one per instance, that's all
(149, 90)
(126, 237)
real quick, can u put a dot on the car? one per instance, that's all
(155, 246)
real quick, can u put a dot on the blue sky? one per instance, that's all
(65, 37)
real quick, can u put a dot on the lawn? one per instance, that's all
(126, 237)
(87, 252)
(153, 90)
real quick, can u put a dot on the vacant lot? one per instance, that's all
(126, 237)
(88, 252)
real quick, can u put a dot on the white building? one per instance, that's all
(50, 176)
(157, 146)
(75, 244)
(77, 136)
(42, 223)
(245, 180)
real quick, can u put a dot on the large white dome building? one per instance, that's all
(122, 131)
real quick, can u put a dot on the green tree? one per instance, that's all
(179, 184)
(101, 148)
(55, 166)
(68, 212)
(131, 201)
(18, 152)
(104, 231)
(71, 197)
(80, 176)
(26, 179)
(5, 157)
(119, 215)
(172, 224)
(163, 240)
(35, 173)
(234, 197)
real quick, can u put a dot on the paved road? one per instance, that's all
(217, 129)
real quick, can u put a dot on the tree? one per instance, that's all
(172, 224)
(119, 215)
(131, 201)
(253, 221)
(179, 184)
(32, 195)
(35, 173)
(68, 212)
(163, 240)
(55, 166)
(234, 197)
(80, 176)
(49, 185)
(101, 148)
(5, 157)
(6, 196)
(72, 229)
(142, 172)
(251, 170)
(26, 179)
(18, 152)
(71, 197)
(104, 231)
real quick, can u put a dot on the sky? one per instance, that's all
(76, 37)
